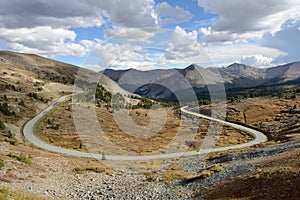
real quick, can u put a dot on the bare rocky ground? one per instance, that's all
(52, 176)
(249, 164)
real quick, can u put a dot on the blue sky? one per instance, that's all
(152, 34)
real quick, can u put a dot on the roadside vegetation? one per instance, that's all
(22, 157)
(90, 166)
(6, 193)
(1, 163)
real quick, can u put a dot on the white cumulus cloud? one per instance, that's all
(44, 27)
(247, 19)
(256, 60)
(132, 34)
(225, 54)
(168, 14)
(118, 56)
(44, 40)
(184, 47)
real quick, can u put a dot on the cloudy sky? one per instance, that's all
(153, 33)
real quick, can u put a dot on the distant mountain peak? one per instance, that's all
(192, 67)
(241, 70)
(239, 65)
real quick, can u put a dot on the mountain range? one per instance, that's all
(163, 83)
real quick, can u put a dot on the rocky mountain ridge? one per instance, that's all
(159, 83)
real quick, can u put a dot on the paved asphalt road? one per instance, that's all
(29, 135)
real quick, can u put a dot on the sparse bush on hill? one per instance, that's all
(9, 134)
(2, 126)
(38, 84)
(33, 95)
(13, 87)
(36, 97)
(1, 163)
(5, 110)
(22, 157)
(9, 137)
(22, 103)
(56, 127)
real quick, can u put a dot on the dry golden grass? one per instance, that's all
(140, 116)
(67, 137)
(8, 178)
(261, 109)
(231, 136)
(228, 136)
(278, 118)
(133, 139)
(175, 172)
(144, 166)
(89, 165)
(138, 144)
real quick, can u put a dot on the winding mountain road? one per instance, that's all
(28, 132)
